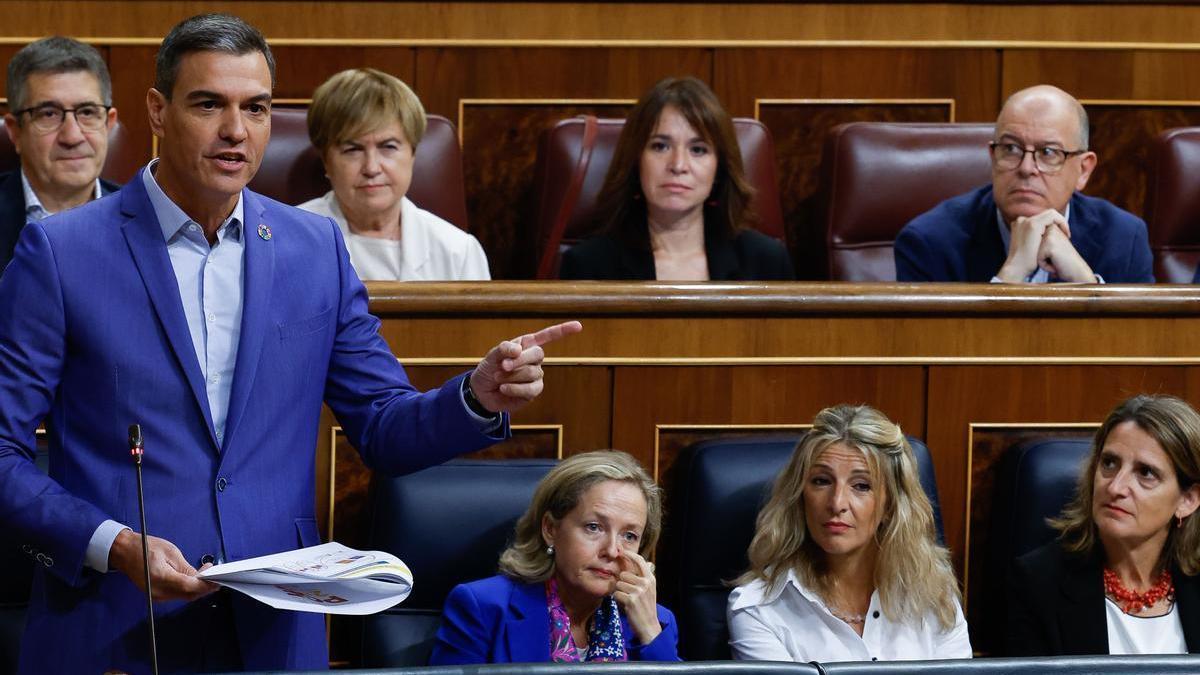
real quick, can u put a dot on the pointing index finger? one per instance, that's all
(549, 334)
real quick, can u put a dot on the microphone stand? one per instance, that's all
(137, 449)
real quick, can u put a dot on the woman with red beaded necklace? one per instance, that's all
(1121, 579)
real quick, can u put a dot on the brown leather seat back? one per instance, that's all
(292, 171)
(1173, 204)
(122, 162)
(877, 176)
(558, 166)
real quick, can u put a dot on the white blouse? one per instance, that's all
(792, 623)
(430, 249)
(1144, 634)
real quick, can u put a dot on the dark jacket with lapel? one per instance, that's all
(959, 240)
(750, 256)
(12, 211)
(500, 620)
(1056, 605)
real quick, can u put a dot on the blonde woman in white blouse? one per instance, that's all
(844, 565)
(367, 125)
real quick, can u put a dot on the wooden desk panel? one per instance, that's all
(659, 365)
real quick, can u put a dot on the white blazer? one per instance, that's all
(430, 249)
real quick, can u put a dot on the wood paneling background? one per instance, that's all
(484, 63)
(971, 369)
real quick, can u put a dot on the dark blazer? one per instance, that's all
(12, 211)
(959, 240)
(1055, 605)
(500, 620)
(750, 256)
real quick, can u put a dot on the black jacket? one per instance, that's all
(750, 256)
(1055, 605)
(12, 212)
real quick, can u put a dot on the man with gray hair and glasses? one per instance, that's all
(60, 113)
(1031, 224)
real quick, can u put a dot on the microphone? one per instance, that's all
(137, 449)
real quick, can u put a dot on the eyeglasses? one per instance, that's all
(1009, 156)
(49, 117)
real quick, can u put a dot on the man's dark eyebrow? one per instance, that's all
(203, 95)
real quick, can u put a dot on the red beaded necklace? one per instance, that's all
(1132, 602)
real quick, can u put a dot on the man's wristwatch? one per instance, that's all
(473, 402)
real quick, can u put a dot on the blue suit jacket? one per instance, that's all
(12, 211)
(499, 620)
(93, 338)
(959, 240)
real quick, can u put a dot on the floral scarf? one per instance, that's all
(605, 642)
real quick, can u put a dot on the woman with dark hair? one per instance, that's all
(675, 204)
(1121, 578)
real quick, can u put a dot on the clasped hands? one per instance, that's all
(1044, 241)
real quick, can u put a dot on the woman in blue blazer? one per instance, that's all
(574, 585)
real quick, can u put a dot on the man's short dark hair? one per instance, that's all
(207, 33)
(54, 55)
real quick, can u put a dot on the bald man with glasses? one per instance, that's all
(60, 113)
(1031, 224)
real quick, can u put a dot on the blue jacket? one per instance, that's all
(94, 338)
(499, 620)
(959, 240)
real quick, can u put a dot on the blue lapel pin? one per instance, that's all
(264, 232)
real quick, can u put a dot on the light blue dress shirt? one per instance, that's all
(210, 288)
(34, 210)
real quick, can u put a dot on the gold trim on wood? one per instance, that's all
(659, 428)
(464, 102)
(759, 102)
(648, 43)
(879, 360)
(971, 427)
(1139, 103)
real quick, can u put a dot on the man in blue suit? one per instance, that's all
(1031, 224)
(219, 320)
(60, 102)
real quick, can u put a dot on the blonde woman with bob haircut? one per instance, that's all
(844, 565)
(575, 584)
(1122, 577)
(367, 125)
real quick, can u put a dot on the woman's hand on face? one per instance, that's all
(637, 593)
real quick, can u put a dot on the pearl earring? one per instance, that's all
(550, 550)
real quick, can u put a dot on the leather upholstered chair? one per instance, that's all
(1172, 204)
(719, 487)
(1035, 481)
(16, 578)
(874, 178)
(292, 171)
(573, 158)
(120, 165)
(449, 524)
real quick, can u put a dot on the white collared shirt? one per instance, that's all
(34, 209)
(792, 623)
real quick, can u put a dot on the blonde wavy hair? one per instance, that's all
(1175, 425)
(559, 493)
(913, 573)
